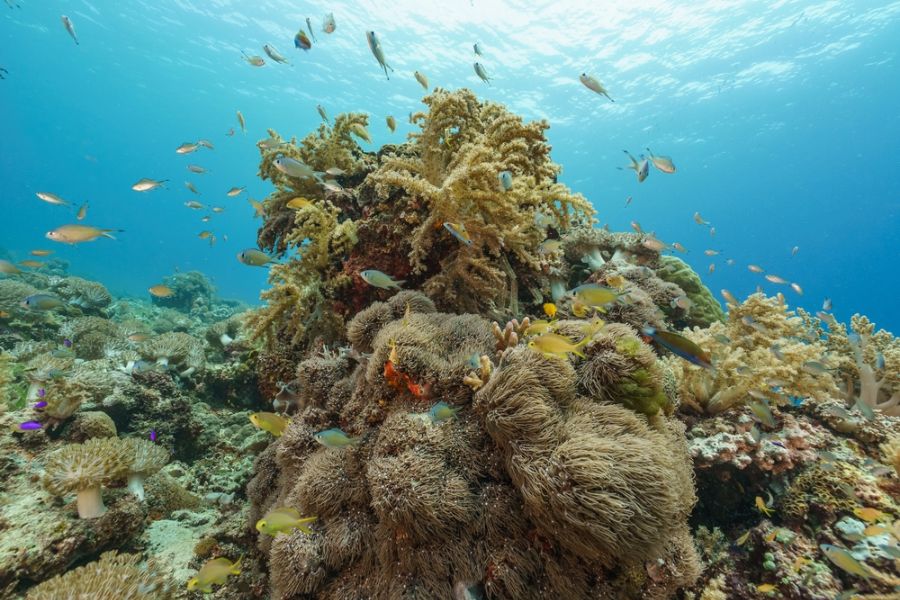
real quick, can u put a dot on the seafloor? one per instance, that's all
(573, 457)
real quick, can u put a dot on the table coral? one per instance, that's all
(530, 489)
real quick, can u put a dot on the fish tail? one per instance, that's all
(398, 284)
(107, 233)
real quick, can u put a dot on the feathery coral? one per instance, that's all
(112, 577)
(83, 469)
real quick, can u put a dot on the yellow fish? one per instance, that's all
(553, 345)
(843, 559)
(234, 191)
(873, 530)
(215, 571)
(592, 326)
(550, 309)
(241, 122)
(283, 520)
(298, 203)
(161, 291)
(258, 208)
(391, 123)
(743, 539)
(82, 212)
(765, 588)
(761, 507)
(869, 515)
(420, 77)
(361, 132)
(8, 268)
(616, 281)
(539, 327)
(32, 264)
(41, 252)
(595, 295)
(579, 308)
(274, 424)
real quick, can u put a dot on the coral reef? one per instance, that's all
(427, 505)
(114, 576)
(84, 469)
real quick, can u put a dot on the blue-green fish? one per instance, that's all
(381, 280)
(505, 178)
(442, 411)
(335, 438)
(479, 70)
(42, 302)
(681, 346)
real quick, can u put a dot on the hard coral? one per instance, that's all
(112, 577)
(83, 469)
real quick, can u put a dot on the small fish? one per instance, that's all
(680, 346)
(722, 339)
(197, 169)
(206, 144)
(235, 191)
(796, 287)
(594, 295)
(539, 327)
(271, 422)
(616, 281)
(636, 227)
(458, 230)
(442, 411)
(214, 572)
(335, 438)
(729, 262)
(870, 515)
(218, 209)
(712, 267)
(378, 52)
(682, 302)
(776, 351)
(477, 49)
(553, 345)
(391, 123)
(161, 291)
(147, 185)
(328, 23)
(32, 264)
(481, 72)
(422, 79)
(254, 258)
(67, 23)
(298, 203)
(712, 232)
(205, 219)
(549, 309)
(762, 412)
(627, 200)
(641, 169)
(74, 234)
(729, 297)
(67, 342)
(322, 113)
(82, 212)
(41, 252)
(258, 209)
(293, 167)
(41, 302)
(255, 60)
(333, 186)
(662, 163)
(699, 220)
(593, 84)
(800, 562)
(8, 268)
(283, 520)
(743, 539)
(814, 367)
(679, 247)
(274, 54)
(712, 252)
(762, 507)
(241, 122)
(205, 234)
(62, 353)
(755, 268)
(651, 243)
(826, 304)
(193, 204)
(52, 198)
(29, 426)
(775, 279)
(795, 250)
(335, 172)
(876, 530)
(361, 132)
(309, 27)
(765, 588)
(843, 559)
(187, 148)
(152, 435)
(381, 280)
(39, 405)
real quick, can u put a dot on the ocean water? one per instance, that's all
(781, 117)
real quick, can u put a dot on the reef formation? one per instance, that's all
(509, 424)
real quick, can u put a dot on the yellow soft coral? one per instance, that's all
(762, 346)
(462, 148)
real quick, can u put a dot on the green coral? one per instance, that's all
(705, 309)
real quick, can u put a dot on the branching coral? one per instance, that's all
(461, 149)
(763, 348)
(144, 459)
(83, 468)
(112, 577)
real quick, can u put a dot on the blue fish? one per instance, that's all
(30, 425)
(680, 346)
(505, 180)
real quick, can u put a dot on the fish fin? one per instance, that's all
(399, 283)
(106, 233)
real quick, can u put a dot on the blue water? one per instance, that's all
(781, 118)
